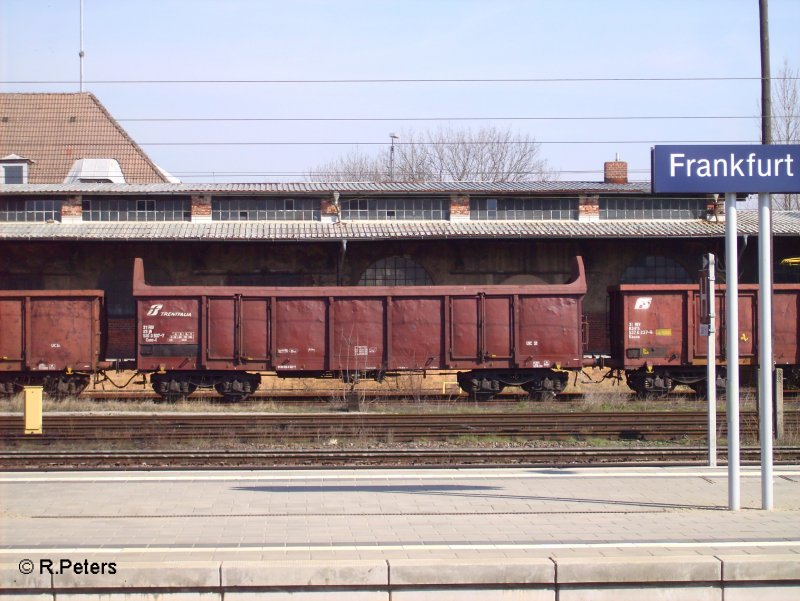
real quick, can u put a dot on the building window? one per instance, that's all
(655, 269)
(529, 209)
(256, 208)
(390, 209)
(13, 174)
(30, 209)
(136, 209)
(652, 208)
(395, 271)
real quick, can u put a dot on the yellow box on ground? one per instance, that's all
(33, 409)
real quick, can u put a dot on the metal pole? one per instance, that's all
(393, 137)
(765, 348)
(81, 53)
(765, 275)
(732, 325)
(766, 92)
(711, 371)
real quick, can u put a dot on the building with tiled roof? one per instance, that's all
(45, 137)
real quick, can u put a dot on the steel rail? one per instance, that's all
(315, 458)
(261, 427)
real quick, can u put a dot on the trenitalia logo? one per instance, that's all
(156, 310)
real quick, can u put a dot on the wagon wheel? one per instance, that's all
(700, 388)
(173, 391)
(234, 391)
(542, 396)
(66, 385)
(234, 397)
(481, 395)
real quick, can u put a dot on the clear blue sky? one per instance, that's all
(401, 39)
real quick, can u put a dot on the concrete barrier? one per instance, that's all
(728, 577)
(439, 580)
(759, 577)
(637, 578)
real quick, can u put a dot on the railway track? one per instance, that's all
(317, 398)
(452, 457)
(150, 429)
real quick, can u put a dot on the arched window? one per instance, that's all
(655, 269)
(395, 271)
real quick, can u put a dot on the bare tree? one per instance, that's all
(445, 155)
(786, 123)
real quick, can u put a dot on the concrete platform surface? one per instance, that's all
(410, 514)
(421, 534)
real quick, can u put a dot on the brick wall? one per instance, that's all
(459, 207)
(589, 208)
(615, 172)
(201, 208)
(599, 341)
(121, 338)
(71, 209)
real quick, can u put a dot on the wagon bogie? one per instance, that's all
(55, 385)
(177, 385)
(540, 384)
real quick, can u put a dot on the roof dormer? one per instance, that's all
(14, 169)
(95, 171)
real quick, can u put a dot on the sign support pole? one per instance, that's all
(763, 169)
(765, 347)
(711, 371)
(732, 320)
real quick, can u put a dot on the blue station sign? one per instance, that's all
(726, 168)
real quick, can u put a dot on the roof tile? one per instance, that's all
(785, 223)
(54, 130)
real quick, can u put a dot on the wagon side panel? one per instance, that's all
(786, 311)
(300, 334)
(12, 349)
(358, 334)
(550, 331)
(417, 333)
(654, 327)
(63, 333)
(169, 333)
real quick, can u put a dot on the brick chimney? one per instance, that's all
(615, 172)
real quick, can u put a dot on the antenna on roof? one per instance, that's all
(80, 52)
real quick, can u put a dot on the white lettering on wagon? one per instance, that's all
(636, 331)
(149, 334)
(181, 337)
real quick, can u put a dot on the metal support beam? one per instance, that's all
(711, 371)
(765, 347)
(732, 339)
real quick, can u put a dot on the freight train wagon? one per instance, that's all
(192, 337)
(655, 334)
(51, 339)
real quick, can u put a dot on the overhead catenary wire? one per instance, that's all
(432, 143)
(410, 118)
(399, 80)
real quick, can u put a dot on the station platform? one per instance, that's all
(533, 533)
